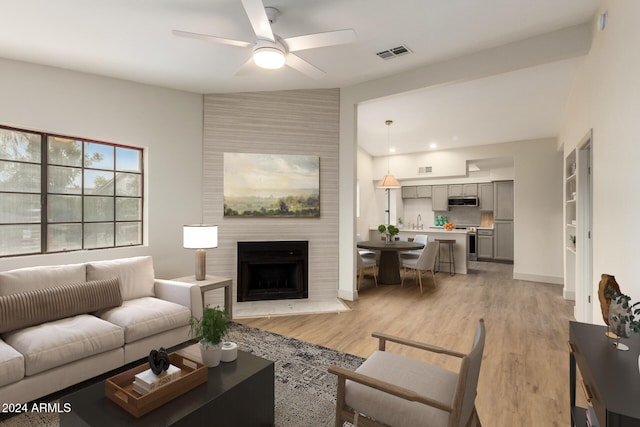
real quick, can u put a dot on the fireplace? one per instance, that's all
(273, 270)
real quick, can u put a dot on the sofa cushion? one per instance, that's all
(11, 364)
(42, 305)
(64, 341)
(135, 274)
(143, 317)
(32, 278)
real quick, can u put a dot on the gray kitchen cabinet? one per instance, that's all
(460, 190)
(469, 189)
(409, 192)
(423, 191)
(485, 194)
(440, 201)
(454, 190)
(485, 246)
(503, 200)
(416, 191)
(503, 240)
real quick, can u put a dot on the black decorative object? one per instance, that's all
(159, 361)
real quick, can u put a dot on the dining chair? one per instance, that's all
(389, 389)
(425, 262)
(415, 253)
(364, 263)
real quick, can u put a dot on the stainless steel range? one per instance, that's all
(472, 241)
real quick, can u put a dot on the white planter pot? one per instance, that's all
(211, 354)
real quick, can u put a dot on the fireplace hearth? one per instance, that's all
(273, 270)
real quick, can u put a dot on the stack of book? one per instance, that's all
(147, 381)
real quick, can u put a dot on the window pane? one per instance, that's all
(128, 184)
(128, 209)
(21, 146)
(19, 239)
(128, 233)
(98, 156)
(21, 177)
(98, 209)
(64, 151)
(19, 208)
(64, 209)
(64, 237)
(98, 235)
(98, 182)
(128, 159)
(65, 180)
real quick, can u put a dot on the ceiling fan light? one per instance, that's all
(270, 58)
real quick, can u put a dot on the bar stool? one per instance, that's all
(451, 260)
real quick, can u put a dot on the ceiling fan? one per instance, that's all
(271, 51)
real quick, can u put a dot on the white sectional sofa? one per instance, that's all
(60, 325)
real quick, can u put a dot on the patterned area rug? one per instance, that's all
(304, 390)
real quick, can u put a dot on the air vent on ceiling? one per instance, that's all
(425, 169)
(393, 52)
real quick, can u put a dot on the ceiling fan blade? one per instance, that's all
(209, 38)
(304, 67)
(330, 38)
(247, 68)
(258, 18)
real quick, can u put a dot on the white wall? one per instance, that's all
(538, 185)
(605, 97)
(167, 123)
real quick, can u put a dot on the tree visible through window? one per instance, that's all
(62, 194)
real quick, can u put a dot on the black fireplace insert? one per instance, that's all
(273, 270)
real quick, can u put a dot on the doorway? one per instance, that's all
(584, 233)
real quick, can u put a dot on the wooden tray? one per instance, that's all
(119, 388)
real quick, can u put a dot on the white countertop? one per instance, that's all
(433, 230)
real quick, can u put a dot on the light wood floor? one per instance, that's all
(524, 379)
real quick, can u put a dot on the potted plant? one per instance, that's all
(210, 330)
(622, 316)
(389, 230)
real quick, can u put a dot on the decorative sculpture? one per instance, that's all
(606, 282)
(159, 361)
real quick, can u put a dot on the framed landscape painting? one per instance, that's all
(271, 185)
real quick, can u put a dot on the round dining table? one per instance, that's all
(389, 265)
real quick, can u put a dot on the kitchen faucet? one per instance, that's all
(418, 222)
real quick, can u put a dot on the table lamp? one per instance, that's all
(200, 237)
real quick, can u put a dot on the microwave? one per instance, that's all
(463, 201)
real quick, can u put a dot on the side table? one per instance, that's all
(210, 283)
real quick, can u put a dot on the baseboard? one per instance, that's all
(569, 295)
(556, 280)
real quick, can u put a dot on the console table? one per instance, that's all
(610, 377)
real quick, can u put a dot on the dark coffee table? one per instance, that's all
(237, 394)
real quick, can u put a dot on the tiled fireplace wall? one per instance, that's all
(284, 122)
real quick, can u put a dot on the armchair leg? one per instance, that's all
(340, 401)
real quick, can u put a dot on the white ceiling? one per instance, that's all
(132, 40)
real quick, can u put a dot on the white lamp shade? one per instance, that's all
(200, 236)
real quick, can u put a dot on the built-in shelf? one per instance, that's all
(572, 250)
(571, 177)
(571, 201)
(571, 225)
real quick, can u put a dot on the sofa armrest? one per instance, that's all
(186, 294)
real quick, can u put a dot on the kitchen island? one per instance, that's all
(460, 248)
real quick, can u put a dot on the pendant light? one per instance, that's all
(388, 181)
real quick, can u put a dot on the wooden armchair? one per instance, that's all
(393, 390)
